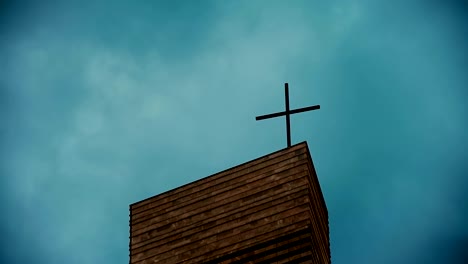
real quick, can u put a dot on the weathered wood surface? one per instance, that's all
(246, 214)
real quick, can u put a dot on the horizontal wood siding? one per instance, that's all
(268, 210)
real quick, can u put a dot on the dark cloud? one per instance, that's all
(104, 104)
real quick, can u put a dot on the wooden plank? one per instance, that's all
(218, 175)
(220, 194)
(212, 227)
(232, 228)
(207, 221)
(217, 248)
(218, 183)
(257, 192)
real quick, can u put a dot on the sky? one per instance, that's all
(105, 103)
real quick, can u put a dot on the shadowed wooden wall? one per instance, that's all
(269, 210)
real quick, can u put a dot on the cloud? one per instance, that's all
(104, 119)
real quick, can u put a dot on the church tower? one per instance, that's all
(268, 210)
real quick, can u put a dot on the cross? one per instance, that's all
(287, 113)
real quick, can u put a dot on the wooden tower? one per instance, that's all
(268, 210)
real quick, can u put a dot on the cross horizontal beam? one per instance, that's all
(295, 111)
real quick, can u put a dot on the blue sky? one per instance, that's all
(104, 104)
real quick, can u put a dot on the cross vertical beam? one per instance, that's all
(288, 121)
(287, 113)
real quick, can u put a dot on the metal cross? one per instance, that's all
(287, 113)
